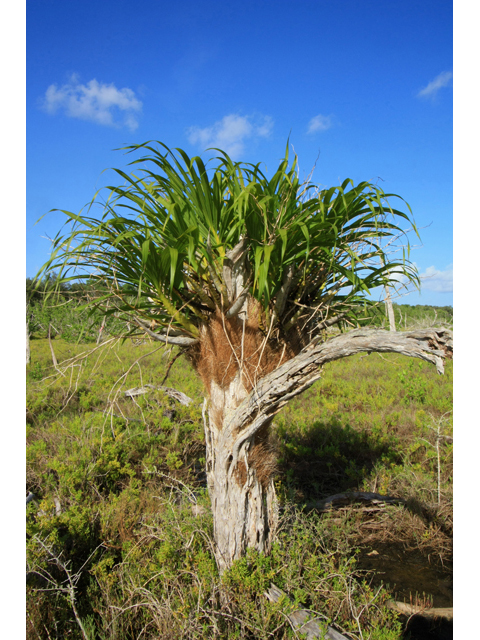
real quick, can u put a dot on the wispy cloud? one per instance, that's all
(443, 79)
(94, 101)
(319, 123)
(435, 280)
(231, 132)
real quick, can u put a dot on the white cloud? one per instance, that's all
(439, 281)
(319, 123)
(433, 87)
(94, 101)
(396, 275)
(230, 133)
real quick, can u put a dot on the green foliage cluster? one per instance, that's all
(172, 232)
(121, 506)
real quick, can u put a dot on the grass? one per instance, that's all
(119, 536)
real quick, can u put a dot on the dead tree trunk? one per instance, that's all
(239, 474)
(390, 311)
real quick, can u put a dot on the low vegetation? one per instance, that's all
(119, 526)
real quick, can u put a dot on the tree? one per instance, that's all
(245, 274)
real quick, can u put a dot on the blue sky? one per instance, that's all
(364, 89)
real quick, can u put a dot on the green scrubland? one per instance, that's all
(119, 531)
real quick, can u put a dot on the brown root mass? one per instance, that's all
(229, 344)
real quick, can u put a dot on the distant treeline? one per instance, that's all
(409, 316)
(61, 309)
(49, 289)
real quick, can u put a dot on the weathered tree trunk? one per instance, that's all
(239, 478)
(239, 462)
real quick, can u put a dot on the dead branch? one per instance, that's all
(298, 374)
(331, 321)
(170, 365)
(54, 359)
(70, 588)
(172, 393)
(167, 338)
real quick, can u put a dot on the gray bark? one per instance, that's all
(244, 508)
(54, 358)
(412, 610)
(342, 499)
(298, 374)
(100, 332)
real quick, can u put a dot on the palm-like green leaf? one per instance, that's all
(162, 240)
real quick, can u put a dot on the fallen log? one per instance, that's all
(342, 499)
(304, 620)
(411, 610)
